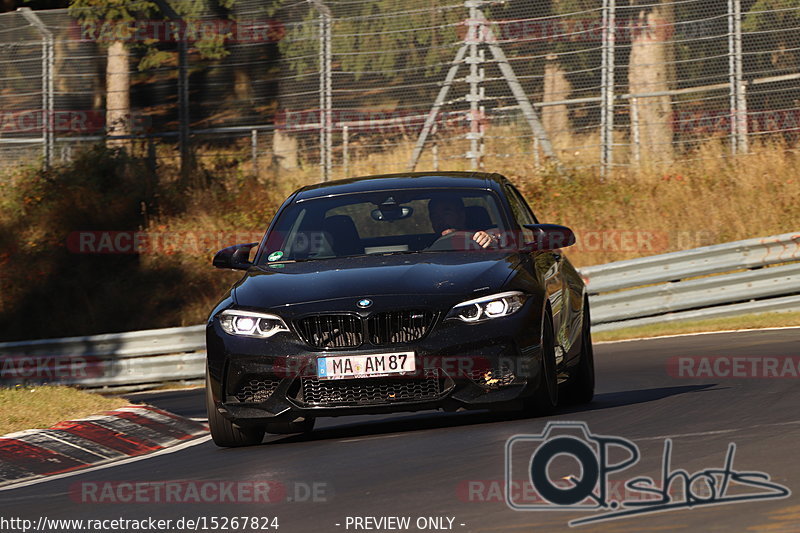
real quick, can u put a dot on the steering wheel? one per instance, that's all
(455, 240)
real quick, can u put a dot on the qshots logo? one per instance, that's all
(550, 460)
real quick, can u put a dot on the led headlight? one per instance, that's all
(488, 307)
(251, 324)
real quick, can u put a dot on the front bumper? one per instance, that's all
(490, 365)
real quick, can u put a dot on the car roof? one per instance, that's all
(405, 180)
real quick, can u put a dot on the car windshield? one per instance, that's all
(395, 221)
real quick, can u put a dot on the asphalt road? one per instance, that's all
(452, 465)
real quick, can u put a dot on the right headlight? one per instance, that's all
(250, 323)
(488, 307)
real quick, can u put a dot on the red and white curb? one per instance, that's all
(68, 446)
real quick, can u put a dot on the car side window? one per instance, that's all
(522, 213)
(525, 211)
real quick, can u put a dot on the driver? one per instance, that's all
(448, 215)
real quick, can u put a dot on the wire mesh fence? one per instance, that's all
(337, 87)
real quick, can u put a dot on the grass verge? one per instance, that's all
(43, 406)
(763, 320)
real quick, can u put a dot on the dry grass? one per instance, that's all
(43, 406)
(764, 320)
(704, 198)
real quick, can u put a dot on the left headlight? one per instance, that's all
(251, 324)
(488, 307)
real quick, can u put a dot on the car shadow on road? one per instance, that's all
(631, 397)
(438, 420)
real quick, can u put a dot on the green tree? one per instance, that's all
(116, 25)
(377, 26)
(779, 50)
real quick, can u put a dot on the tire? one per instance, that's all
(283, 428)
(225, 433)
(580, 387)
(545, 399)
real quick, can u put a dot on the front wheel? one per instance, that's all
(225, 433)
(545, 399)
(580, 387)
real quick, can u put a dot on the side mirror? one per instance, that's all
(236, 257)
(550, 236)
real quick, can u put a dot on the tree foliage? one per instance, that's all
(114, 20)
(399, 34)
(779, 49)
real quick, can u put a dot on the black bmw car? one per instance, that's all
(400, 292)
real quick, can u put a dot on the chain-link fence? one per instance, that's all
(344, 86)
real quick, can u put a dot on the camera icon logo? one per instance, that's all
(533, 457)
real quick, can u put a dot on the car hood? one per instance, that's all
(281, 284)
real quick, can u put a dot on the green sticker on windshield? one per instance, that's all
(274, 256)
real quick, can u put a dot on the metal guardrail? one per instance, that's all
(750, 276)
(750, 253)
(133, 360)
(743, 277)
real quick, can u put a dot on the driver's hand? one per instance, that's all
(483, 239)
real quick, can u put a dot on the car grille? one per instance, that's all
(331, 331)
(257, 390)
(371, 391)
(346, 331)
(399, 326)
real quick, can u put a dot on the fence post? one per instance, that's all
(734, 126)
(346, 150)
(183, 102)
(435, 147)
(741, 99)
(738, 101)
(607, 88)
(325, 89)
(635, 140)
(183, 89)
(48, 67)
(254, 150)
(475, 79)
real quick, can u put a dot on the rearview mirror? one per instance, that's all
(550, 236)
(236, 257)
(391, 212)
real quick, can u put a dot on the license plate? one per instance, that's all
(360, 366)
